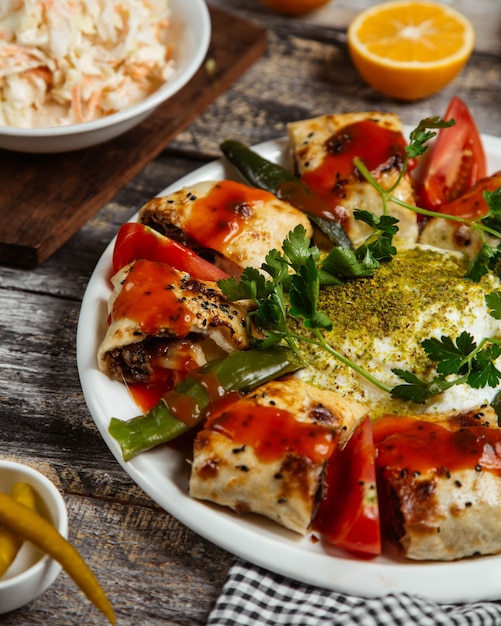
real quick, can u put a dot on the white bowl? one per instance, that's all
(192, 27)
(32, 571)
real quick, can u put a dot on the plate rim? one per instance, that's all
(258, 540)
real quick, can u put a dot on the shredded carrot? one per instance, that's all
(77, 103)
(102, 40)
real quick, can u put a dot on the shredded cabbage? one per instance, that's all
(71, 61)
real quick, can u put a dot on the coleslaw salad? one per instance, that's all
(71, 61)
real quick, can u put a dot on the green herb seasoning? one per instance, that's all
(380, 321)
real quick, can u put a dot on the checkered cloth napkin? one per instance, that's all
(253, 596)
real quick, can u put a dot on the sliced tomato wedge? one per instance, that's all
(138, 241)
(348, 515)
(456, 160)
(472, 204)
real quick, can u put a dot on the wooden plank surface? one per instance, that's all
(307, 71)
(331, 21)
(47, 198)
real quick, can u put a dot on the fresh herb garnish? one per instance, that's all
(460, 361)
(489, 255)
(297, 274)
(418, 145)
(493, 302)
(379, 245)
(292, 289)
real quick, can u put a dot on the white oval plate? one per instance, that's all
(163, 472)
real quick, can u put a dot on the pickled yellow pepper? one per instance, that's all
(31, 526)
(10, 542)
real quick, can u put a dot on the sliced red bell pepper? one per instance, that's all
(138, 241)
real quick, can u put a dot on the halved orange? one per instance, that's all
(410, 49)
(294, 7)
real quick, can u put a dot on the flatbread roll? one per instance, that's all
(439, 483)
(160, 318)
(239, 223)
(322, 151)
(265, 453)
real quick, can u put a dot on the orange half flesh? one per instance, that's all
(410, 49)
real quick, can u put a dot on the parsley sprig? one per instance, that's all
(292, 290)
(288, 285)
(458, 361)
(489, 255)
(295, 277)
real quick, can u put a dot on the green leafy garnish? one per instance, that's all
(288, 283)
(462, 358)
(292, 290)
(457, 361)
(422, 134)
(489, 255)
(380, 244)
(493, 301)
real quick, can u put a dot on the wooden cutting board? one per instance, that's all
(45, 199)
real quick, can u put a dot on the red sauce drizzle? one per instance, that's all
(182, 406)
(186, 410)
(218, 217)
(420, 446)
(295, 194)
(210, 382)
(272, 432)
(378, 147)
(147, 298)
(146, 395)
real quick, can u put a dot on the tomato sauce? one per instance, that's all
(419, 446)
(378, 147)
(219, 216)
(272, 432)
(148, 299)
(303, 199)
(146, 395)
(186, 409)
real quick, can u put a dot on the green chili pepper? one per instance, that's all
(264, 174)
(184, 407)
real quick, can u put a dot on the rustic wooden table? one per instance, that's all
(154, 569)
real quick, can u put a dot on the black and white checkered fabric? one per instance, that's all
(252, 595)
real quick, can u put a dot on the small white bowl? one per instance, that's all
(191, 26)
(32, 571)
